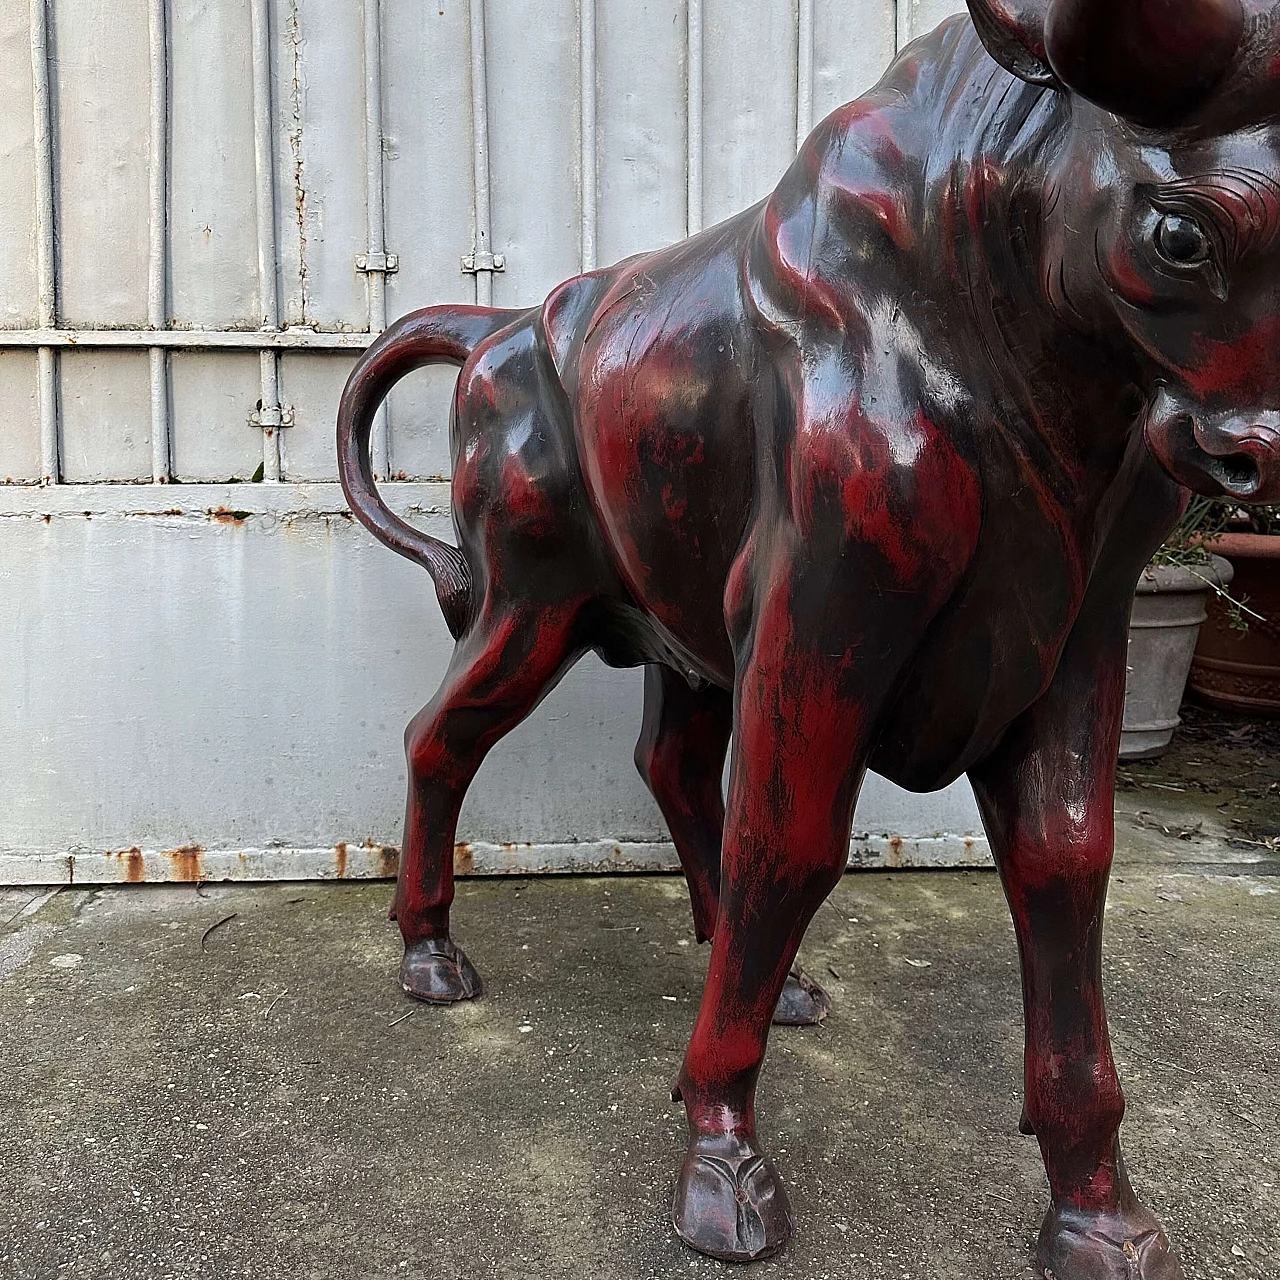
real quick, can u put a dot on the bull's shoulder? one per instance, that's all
(899, 479)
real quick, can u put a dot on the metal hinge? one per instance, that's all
(385, 263)
(474, 263)
(278, 415)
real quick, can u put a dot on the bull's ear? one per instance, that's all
(1013, 32)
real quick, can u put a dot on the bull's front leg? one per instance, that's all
(797, 764)
(827, 635)
(1047, 798)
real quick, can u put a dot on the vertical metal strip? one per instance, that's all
(158, 269)
(46, 265)
(804, 71)
(376, 212)
(480, 153)
(265, 191)
(695, 118)
(590, 156)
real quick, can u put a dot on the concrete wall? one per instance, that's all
(189, 187)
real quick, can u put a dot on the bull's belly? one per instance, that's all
(972, 677)
(938, 731)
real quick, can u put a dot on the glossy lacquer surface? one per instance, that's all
(865, 477)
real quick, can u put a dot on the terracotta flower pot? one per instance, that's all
(1240, 671)
(1167, 613)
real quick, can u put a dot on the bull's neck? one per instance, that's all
(989, 188)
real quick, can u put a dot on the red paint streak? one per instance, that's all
(525, 503)
(902, 488)
(1126, 278)
(1244, 370)
(792, 241)
(888, 211)
(674, 507)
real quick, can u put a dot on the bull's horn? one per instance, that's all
(1013, 32)
(1147, 60)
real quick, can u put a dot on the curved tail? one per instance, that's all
(436, 335)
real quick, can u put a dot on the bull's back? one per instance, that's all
(662, 389)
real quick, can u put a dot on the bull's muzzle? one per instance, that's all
(1231, 455)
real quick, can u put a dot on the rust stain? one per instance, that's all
(388, 862)
(224, 515)
(895, 851)
(186, 863)
(135, 872)
(464, 861)
(340, 849)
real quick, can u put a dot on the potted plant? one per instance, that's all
(1168, 611)
(1237, 664)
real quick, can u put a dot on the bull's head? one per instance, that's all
(1164, 221)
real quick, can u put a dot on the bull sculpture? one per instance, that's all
(866, 476)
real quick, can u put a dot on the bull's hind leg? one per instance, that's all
(680, 756)
(501, 669)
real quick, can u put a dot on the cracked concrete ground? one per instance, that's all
(226, 1082)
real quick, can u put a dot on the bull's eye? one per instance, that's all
(1182, 240)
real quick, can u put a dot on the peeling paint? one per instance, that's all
(293, 33)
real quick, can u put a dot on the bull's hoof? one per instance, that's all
(438, 971)
(1122, 1245)
(803, 1003)
(730, 1203)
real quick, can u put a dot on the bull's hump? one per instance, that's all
(566, 315)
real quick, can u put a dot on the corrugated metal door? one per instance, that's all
(209, 206)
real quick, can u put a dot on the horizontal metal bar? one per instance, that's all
(189, 339)
(415, 498)
(365, 861)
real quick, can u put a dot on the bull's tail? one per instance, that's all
(437, 335)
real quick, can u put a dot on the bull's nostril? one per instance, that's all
(1237, 473)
